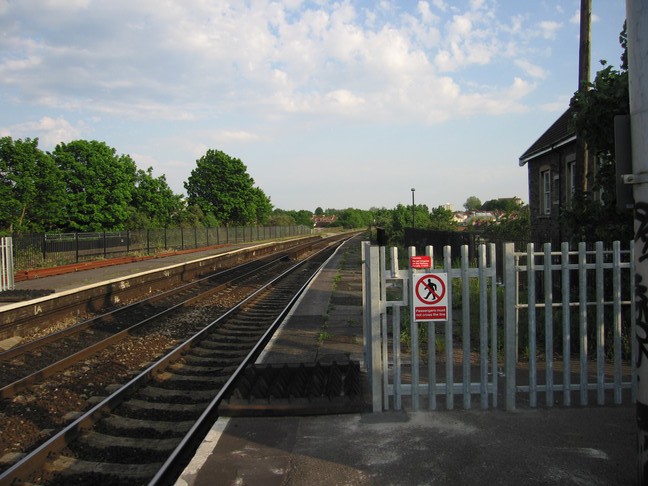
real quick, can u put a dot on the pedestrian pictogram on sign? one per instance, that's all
(430, 297)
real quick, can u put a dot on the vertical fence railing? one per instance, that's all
(568, 326)
(6, 264)
(574, 324)
(32, 251)
(418, 374)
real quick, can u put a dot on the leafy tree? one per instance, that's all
(262, 206)
(594, 112)
(280, 218)
(319, 211)
(99, 185)
(506, 204)
(441, 219)
(302, 217)
(190, 217)
(354, 218)
(514, 226)
(473, 203)
(154, 203)
(220, 185)
(31, 190)
(290, 217)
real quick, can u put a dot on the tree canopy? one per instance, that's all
(31, 189)
(473, 203)
(221, 186)
(99, 185)
(594, 110)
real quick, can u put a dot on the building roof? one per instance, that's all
(556, 135)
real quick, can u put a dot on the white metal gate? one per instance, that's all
(491, 345)
(6, 263)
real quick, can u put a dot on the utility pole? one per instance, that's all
(413, 224)
(637, 31)
(582, 156)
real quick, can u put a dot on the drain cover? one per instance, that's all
(295, 389)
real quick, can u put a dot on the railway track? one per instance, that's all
(145, 431)
(31, 362)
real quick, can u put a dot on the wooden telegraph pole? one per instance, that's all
(582, 158)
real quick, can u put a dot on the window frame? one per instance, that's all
(545, 191)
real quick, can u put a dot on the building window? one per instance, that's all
(545, 192)
(570, 182)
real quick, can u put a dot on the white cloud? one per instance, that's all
(531, 69)
(548, 28)
(49, 131)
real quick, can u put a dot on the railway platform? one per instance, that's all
(558, 446)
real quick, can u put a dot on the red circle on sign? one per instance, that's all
(429, 285)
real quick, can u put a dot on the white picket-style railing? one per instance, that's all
(6, 264)
(538, 330)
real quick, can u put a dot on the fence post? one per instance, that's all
(7, 280)
(509, 325)
(414, 338)
(372, 326)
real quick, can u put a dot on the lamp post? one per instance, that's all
(413, 207)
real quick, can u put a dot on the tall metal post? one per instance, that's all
(413, 225)
(637, 31)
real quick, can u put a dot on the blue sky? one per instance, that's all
(329, 104)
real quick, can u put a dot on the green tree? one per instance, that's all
(291, 217)
(220, 185)
(473, 203)
(31, 190)
(442, 219)
(514, 226)
(262, 206)
(594, 110)
(279, 217)
(354, 218)
(99, 184)
(154, 203)
(319, 211)
(505, 204)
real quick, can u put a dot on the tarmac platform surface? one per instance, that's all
(544, 446)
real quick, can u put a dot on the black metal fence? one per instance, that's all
(54, 249)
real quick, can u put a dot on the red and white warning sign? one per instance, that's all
(430, 298)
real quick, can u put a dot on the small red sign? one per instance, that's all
(422, 261)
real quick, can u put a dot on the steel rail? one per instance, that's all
(17, 386)
(169, 471)
(22, 470)
(113, 314)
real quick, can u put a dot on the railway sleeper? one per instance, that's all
(74, 471)
(117, 448)
(227, 346)
(198, 369)
(143, 409)
(172, 395)
(181, 381)
(220, 360)
(226, 355)
(137, 427)
(194, 360)
(233, 334)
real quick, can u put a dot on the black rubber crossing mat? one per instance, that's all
(295, 389)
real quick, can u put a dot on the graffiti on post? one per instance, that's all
(641, 223)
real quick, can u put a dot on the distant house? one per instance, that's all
(323, 221)
(554, 177)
